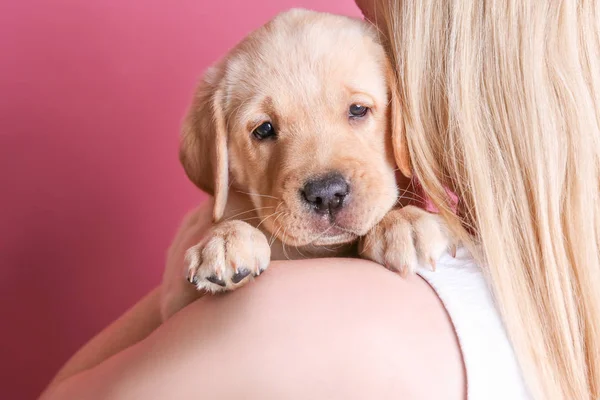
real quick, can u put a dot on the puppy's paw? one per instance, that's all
(231, 254)
(406, 238)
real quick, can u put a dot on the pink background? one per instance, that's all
(91, 97)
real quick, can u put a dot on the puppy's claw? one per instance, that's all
(453, 250)
(192, 278)
(223, 260)
(432, 263)
(240, 275)
(409, 237)
(216, 280)
(404, 271)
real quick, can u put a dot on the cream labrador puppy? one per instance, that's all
(292, 134)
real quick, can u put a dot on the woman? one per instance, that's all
(501, 106)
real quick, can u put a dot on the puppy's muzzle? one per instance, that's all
(326, 195)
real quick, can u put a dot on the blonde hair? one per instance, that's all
(501, 103)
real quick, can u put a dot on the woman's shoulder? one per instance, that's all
(326, 328)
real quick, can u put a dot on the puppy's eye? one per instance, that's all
(264, 131)
(358, 111)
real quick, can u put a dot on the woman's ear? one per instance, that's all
(203, 150)
(399, 142)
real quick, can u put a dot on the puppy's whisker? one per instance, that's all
(278, 205)
(249, 211)
(258, 195)
(266, 218)
(300, 252)
(274, 235)
(279, 214)
(248, 218)
(285, 253)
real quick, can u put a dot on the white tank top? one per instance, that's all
(490, 363)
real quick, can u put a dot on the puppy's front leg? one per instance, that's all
(406, 238)
(227, 257)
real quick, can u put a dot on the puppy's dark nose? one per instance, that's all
(326, 194)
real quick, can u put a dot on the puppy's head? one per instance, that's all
(299, 115)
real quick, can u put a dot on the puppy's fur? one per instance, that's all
(324, 183)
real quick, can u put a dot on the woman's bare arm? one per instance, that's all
(334, 328)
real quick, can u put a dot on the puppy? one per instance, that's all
(292, 133)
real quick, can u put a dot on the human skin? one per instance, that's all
(325, 328)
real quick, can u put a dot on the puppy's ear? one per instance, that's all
(203, 150)
(401, 152)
